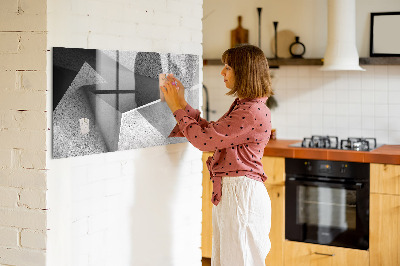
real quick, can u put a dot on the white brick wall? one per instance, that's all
(137, 207)
(23, 132)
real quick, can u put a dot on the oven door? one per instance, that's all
(327, 213)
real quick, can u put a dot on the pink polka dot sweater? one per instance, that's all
(238, 139)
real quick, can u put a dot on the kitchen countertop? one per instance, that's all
(389, 154)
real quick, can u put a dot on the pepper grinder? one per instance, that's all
(276, 39)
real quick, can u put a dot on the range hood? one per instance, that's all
(341, 51)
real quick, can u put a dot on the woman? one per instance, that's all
(241, 214)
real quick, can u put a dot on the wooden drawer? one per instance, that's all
(385, 178)
(274, 168)
(305, 254)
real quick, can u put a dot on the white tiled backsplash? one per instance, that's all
(314, 102)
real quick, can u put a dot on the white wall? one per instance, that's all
(305, 18)
(311, 102)
(137, 207)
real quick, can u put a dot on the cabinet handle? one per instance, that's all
(325, 254)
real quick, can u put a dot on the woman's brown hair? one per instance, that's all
(250, 66)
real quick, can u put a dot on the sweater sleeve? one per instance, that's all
(228, 131)
(195, 114)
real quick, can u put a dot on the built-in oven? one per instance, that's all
(327, 202)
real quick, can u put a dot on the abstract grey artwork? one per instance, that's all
(109, 100)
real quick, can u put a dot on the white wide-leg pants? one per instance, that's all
(241, 223)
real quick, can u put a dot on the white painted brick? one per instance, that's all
(33, 7)
(191, 23)
(179, 7)
(17, 256)
(79, 228)
(31, 61)
(8, 197)
(31, 80)
(5, 159)
(22, 100)
(135, 17)
(33, 199)
(164, 46)
(33, 42)
(80, 39)
(96, 172)
(104, 41)
(23, 218)
(16, 158)
(33, 159)
(23, 22)
(7, 80)
(9, 237)
(9, 42)
(8, 6)
(114, 186)
(113, 170)
(168, 19)
(22, 139)
(33, 239)
(178, 35)
(154, 32)
(32, 47)
(196, 37)
(23, 178)
(191, 48)
(149, 6)
(35, 120)
(98, 222)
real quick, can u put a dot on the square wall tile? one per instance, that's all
(394, 110)
(381, 84)
(382, 110)
(394, 97)
(382, 136)
(394, 137)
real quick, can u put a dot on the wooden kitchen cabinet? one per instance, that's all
(206, 225)
(274, 168)
(277, 232)
(385, 178)
(384, 236)
(306, 254)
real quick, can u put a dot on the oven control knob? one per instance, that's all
(308, 166)
(343, 168)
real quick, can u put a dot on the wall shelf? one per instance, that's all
(380, 61)
(275, 63)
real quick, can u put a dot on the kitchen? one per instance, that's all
(313, 104)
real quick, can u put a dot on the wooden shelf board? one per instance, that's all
(273, 62)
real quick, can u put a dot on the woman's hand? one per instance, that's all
(172, 94)
(181, 90)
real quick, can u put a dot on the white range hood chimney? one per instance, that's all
(341, 51)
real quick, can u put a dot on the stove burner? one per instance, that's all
(358, 144)
(328, 142)
(332, 142)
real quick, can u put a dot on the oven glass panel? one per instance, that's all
(326, 207)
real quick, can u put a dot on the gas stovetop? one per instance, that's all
(332, 142)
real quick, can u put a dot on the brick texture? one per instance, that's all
(23, 62)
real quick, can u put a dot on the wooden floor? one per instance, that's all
(206, 261)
